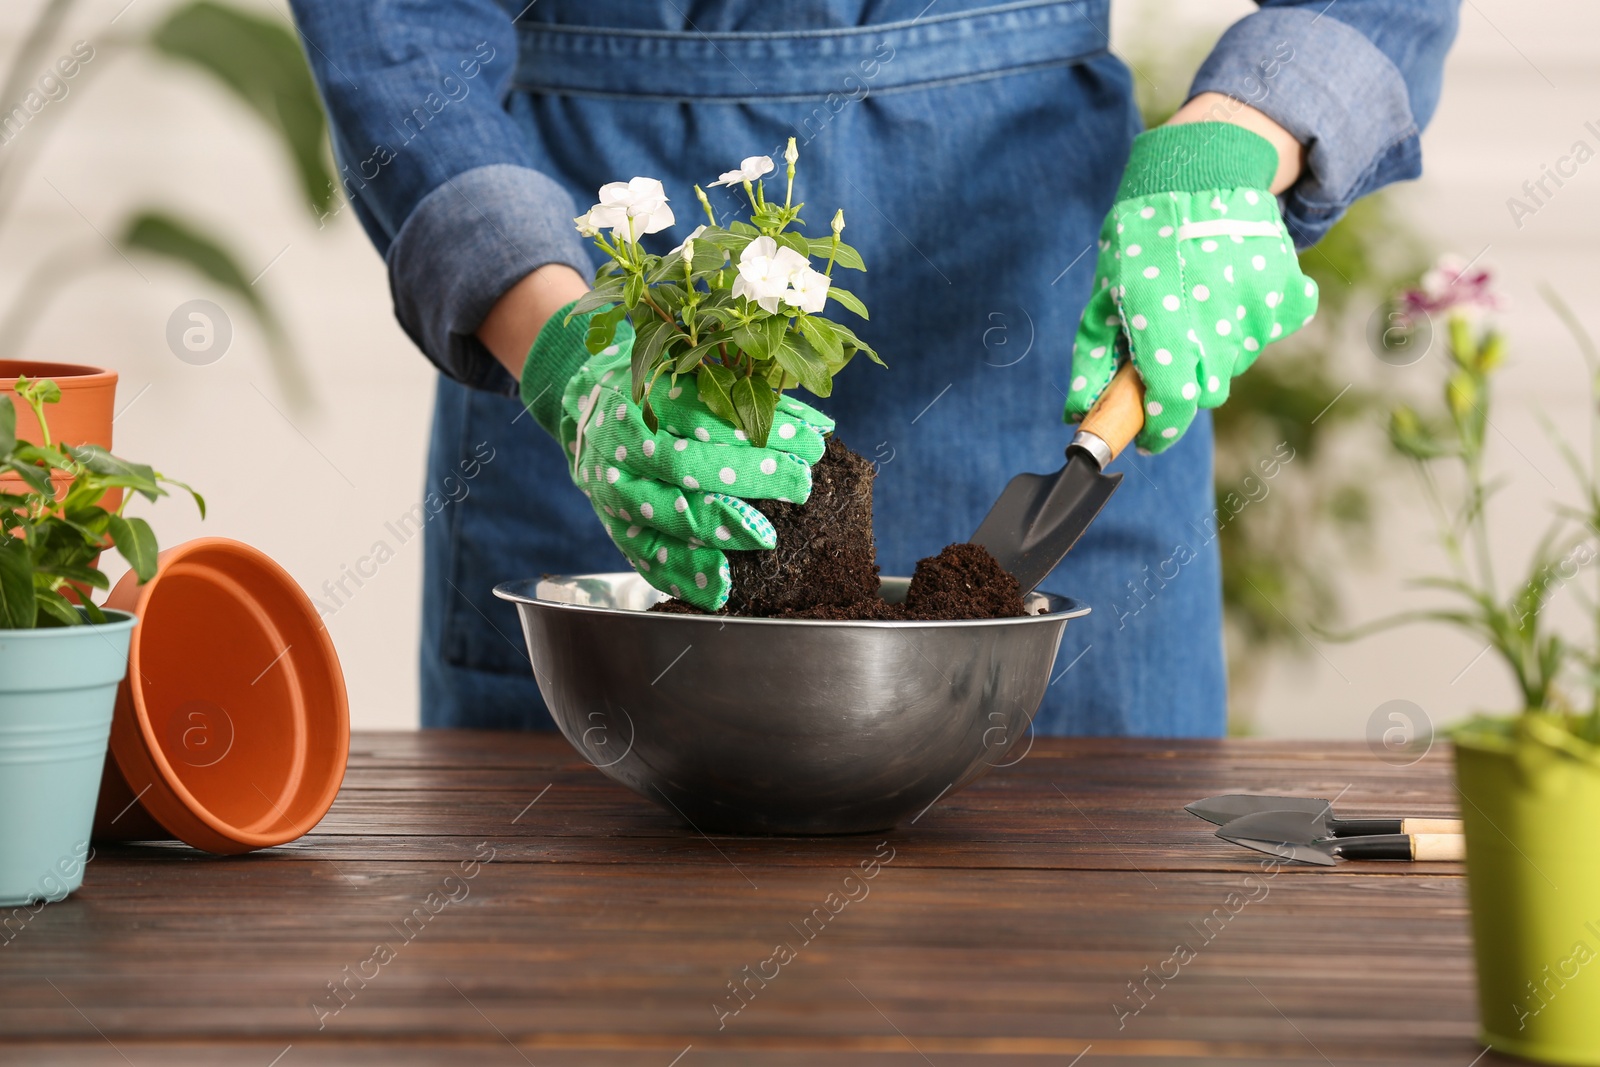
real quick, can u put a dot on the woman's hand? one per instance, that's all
(512, 325)
(1197, 271)
(1214, 107)
(676, 498)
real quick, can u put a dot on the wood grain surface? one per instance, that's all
(484, 898)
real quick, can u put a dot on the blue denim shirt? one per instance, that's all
(422, 100)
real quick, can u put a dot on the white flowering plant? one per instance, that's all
(737, 306)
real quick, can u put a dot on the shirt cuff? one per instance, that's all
(1335, 92)
(468, 242)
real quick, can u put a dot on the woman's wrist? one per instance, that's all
(1216, 107)
(512, 325)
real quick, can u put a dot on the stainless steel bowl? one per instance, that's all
(779, 726)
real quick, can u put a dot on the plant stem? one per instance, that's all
(1591, 359)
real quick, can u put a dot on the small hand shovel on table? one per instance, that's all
(1229, 806)
(1039, 517)
(1304, 836)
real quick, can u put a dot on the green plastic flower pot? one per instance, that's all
(1531, 805)
(57, 690)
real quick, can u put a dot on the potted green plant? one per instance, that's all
(1529, 781)
(740, 307)
(61, 656)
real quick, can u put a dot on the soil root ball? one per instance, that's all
(823, 567)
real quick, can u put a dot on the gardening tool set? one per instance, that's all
(1305, 829)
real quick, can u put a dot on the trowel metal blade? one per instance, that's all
(1039, 517)
(1230, 806)
(1293, 827)
(1284, 850)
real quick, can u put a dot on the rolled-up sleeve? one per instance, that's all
(1355, 81)
(434, 167)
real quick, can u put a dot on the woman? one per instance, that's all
(978, 149)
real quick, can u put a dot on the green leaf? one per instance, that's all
(647, 343)
(55, 609)
(754, 403)
(91, 609)
(603, 329)
(633, 290)
(89, 576)
(38, 390)
(794, 241)
(799, 359)
(709, 257)
(743, 228)
(199, 501)
(848, 299)
(670, 296)
(656, 343)
(607, 293)
(715, 382)
(846, 257)
(157, 233)
(755, 339)
(850, 340)
(259, 59)
(731, 243)
(8, 426)
(18, 604)
(136, 543)
(98, 460)
(109, 472)
(38, 478)
(823, 338)
(689, 360)
(52, 457)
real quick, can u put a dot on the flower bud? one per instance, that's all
(838, 222)
(687, 252)
(791, 154)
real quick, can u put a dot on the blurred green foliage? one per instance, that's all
(1281, 561)
(256, 59)
(1281, 564)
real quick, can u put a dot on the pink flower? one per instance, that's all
(1453, 285)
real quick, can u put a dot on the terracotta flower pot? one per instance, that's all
(87, 406)
(83, 416)
(232, 728)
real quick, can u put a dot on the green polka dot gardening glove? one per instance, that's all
(1196, 270)
(674, 500)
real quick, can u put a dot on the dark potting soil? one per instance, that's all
(823, 567)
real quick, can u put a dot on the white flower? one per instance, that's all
(765, 270)
(698, 230)
(586, 224)
(750, 168)
(641, 200)
(808, 290)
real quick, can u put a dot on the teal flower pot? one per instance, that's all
(58, 687)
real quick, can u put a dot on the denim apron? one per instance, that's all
(974, 148)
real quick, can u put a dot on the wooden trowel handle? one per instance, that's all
(1438, 847)
(1118, 416)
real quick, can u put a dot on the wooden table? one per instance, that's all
(530, 911)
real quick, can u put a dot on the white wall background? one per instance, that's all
(315, 488)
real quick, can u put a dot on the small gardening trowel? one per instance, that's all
(1300, 835)
(1224, 809)
(1039, 517)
